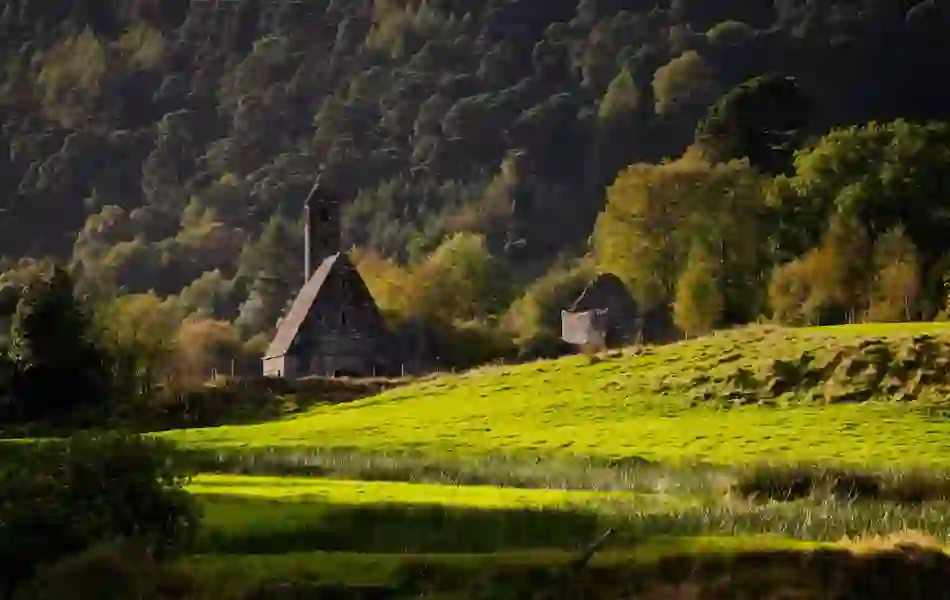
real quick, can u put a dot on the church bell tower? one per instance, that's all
(321, 227)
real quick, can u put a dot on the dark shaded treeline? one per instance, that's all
(167, 145)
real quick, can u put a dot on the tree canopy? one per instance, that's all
(166, 147)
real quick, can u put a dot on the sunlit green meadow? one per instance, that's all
(527, 464)
(269, 515)
(355, 493)
(621, 404)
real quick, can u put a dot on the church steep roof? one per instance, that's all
(289, 327)
(606, 290)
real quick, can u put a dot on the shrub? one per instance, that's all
(59, 498)
(472, 343)
(112, 571)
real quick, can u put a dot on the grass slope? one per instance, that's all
(684, 402)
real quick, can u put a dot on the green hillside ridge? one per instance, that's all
(649, 404)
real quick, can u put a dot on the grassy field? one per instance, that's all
(273, 515)
(752, 441)
(686, 402)
(353, 493)
(309, 531)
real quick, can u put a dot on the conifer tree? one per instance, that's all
(59, 363)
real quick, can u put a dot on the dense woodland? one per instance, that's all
(729, 161)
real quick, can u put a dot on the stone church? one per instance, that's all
(333, 327)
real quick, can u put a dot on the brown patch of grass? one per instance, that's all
(901, 540)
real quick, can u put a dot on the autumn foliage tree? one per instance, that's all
(534, 319)
(387, 281)
(656, 213)
(881, 175)
(458, 281)
(687, 81)
(895, 287)
(790, 290)
(698, 304)
(851, 192)
(139, 330)
(203, 345)
(829, 284)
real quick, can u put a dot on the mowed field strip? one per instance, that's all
(626, 405)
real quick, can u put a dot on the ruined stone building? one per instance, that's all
(333, 326)
(606, 315)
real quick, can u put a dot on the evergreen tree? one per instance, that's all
(60, 366)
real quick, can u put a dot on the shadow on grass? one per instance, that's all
(235, 524)
(914, 574)
(247, 526)
(798, 482)
(907, 573)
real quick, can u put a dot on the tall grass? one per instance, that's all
(247, 525)
(790, 481)
(558, 472)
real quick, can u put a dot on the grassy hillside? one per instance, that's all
(486, 483)
(798, 395)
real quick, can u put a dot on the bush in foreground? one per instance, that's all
(60, 498)
(112, 571)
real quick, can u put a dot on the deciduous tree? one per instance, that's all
(699, 303)
(139, 330)
(896, 278)
(687, 81)
(203, 344)
(457, 282)
(656, 213)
